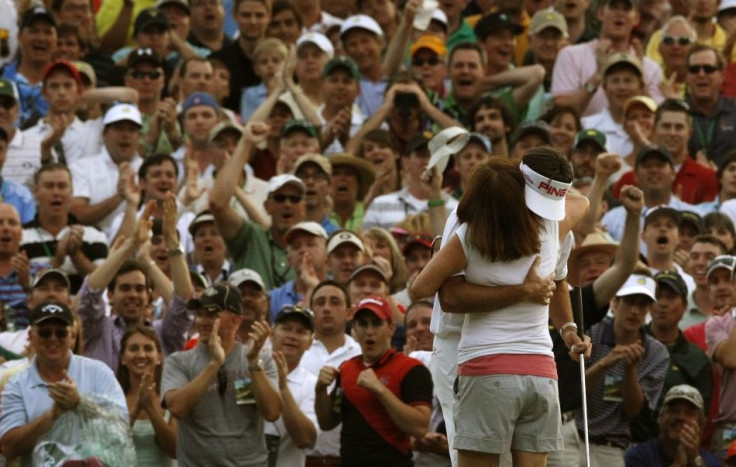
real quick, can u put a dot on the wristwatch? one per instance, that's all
(590, 88)
(255, 366)
(177, 251)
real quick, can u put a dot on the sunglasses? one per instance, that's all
(431, 61)
(680, 40)
(293, 199)
(139, 75)
(221, 381)
(708, 69)
(47, 333)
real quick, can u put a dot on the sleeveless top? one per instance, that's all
(148, 453)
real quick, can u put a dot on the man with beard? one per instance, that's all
(129, 294)
(250, 245)
(494, 119)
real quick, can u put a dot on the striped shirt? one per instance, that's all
(23, 159)
(605, 407)
(388, 210)
(40, 247)
(13, 296)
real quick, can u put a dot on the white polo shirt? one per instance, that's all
(80, 139)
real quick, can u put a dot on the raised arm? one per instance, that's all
(178, 263)
(267, 397)
(394, 57)
(605, 165)
(524, 80)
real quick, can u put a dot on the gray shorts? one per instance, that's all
(498, 413)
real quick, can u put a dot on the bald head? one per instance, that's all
(10, 231)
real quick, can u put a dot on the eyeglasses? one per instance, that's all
(221, 381)
(708, 69)
(431, 61)
(681, 40)
(139, 75)
(47, 333)
(293, 199)
(7, 102)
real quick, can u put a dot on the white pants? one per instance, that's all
(572, 449)
(604, 456)
(443, 367)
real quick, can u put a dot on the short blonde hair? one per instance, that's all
(270, 45)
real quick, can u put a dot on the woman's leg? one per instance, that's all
(476, 459)
(529, 459)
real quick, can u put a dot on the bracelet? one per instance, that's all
(255, 366)
(433, 203)
(564, 327)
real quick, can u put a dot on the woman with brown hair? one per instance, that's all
(511, 224)
(139, 374)
(383, 245)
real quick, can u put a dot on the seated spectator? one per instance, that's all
(681, 422)
(352, 177)
(268, 57)
(17, 195)
(564, 124)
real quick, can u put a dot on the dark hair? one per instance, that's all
(549, 162)
(672, 105)
(218, 64)
(70, 29)
(500, 226)
(57, 4)
(52, 167)
(490, 102)
(283, 5)
(330, 282)
(558, 110)
(711, 240)
(380, 137)
(266, 3)
(123, 374)
(718, 220)
(128, 266)
(697, 48)
(185, 64)
(468, 46)
(727, 159)
(153, 160)
(418, 303)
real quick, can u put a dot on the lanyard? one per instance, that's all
(704, 140)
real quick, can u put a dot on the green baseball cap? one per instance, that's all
(7, 88)
(594, 136)
(346, 63)
(299, 125)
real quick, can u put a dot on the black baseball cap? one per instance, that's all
(539, 127)
(661, 210)
(673, 280)
(304, 314)
(148, 17)
(222, 297)
(37, 12)
(491, 23)
(51, 310)
(420, 141)
(654, 150)
(693, 219)
(144, 56)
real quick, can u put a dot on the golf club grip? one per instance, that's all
(577, 310)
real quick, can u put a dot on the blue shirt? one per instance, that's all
(20, 197)
(252, 98)
(329, 226)
(26, 396)
(32, 104)
(371, 95)
(650, 454)
(281, 297)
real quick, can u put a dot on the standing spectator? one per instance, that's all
(22, 159)
(677, 36)
(286, 22)
(208, 18)
(578, 71)
(712, 136)
(210, 253)
(476, 151)
(576, 15)
(315, 19)
(493, 119)
(195, 74)
(341, 116)
(13, 193)
(315, 172)
(625, 372)
(428, 61)
(547, 35)
(352, 177)
(586, 148)
(661, 237)
(313, 51)
(330, 347)
(221, 392)
(700, 303)
(54, 238)
(345, 252)
(458, 28)
(372, 413)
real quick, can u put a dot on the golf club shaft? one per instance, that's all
(585, 411)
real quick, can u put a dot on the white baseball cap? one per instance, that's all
(544, 197)
(279, 181)
(638, 284)
(310, 227)
(445, 144)
(726, 5)
(344, 236)
(360, 22)
(245, 275)
(320, 40)
(121, 112)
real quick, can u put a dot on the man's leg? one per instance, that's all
(443, 367)
(570, 452)
(476, 459)
(529, 459)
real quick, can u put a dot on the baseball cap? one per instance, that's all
(419, 141)
(51, 273)
(726, 5)
(646, 101)
(653, 150)
(364, 22)
(149, 17)
(661, 210)
(721, 261)
(199, 98)
(673, 280)
(304, 314)
(592, 135)
(544, 196)
(684, 392)
(86, 71)
(221, 297)
(310, 227)
(7, 88)
(633, 3)
(318, 39)
(222, 127)
(538, 127)
(317, 159)
(32, 14)
(424, 240)
(432, 43)
(341, 237)
(61, 65)
(493, 22)
(693, 219)
(183, 4)
(638, 284)
(51, 310)
(368, 268)
(342, 62)
(445, 144)
(378, 306)
(122, 112)
(619, 58)
(298, 125)
(731, 452)
(199, 219)
(245, 275)
(544, 19)
(278, 181)
(479, 138)
(145, 55)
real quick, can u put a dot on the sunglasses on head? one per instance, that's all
(431, 61)
(293, 199)
(139, 75)
(47, 333)
(681, 40)
(708, 69)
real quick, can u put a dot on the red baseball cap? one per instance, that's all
(378, 305)
(731, 450)
(62, 64)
